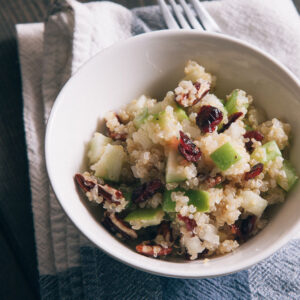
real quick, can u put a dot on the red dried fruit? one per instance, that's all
(255, 171)
(153, 250)
(213, 181)
(254, 134)
(208, 118)
(231, 120)
(247, 225)
(112, 223)
(146, 191)
(242, 228)
(107, 192)
(188, 149)
(189, 223)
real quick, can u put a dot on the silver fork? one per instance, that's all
(187, 20)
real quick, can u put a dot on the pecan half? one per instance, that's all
(116, 129)
(213, 181)
(112, 223)
(146, 191)
(203, 87)
(107, 192)
(153, 250)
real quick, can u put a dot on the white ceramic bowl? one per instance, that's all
(152, 64)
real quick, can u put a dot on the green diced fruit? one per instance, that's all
(97, 146)
(110, 164)
(145, 216)
(200, 199)
(266, 152)
(291, 176)
(232, 106)
(180, 113)
(174, 171)
(140, 119)
(225, 156)
(168, 204)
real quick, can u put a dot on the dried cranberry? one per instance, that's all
(254, 134)
(255, 171)
(242, 228)
(231, 120)
(208, 118)
(247, 225)
(188, 149)
(189, 223)
(146, 191)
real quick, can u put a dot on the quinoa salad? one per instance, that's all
(191, 175)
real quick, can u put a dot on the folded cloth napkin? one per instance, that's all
(70, 267)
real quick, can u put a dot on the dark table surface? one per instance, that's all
(18, 273)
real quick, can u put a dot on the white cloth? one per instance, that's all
(73, 33)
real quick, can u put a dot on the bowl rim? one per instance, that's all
(136, 264)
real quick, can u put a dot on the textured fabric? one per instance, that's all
(70, 267)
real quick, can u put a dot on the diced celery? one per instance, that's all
(225, 156)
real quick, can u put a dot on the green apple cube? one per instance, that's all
(180, 113)
(174, 171)
(97, 146)
(291, 176)
(198, 198)
(109, 166)
(225, 156)
(140, 119)
(232, 105)
(266, 152)
(145, 214)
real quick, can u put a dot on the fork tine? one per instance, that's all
(179, 15)
(206, 19)
(195, 24)
(169, 19)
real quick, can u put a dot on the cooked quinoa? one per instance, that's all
(190, 175)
